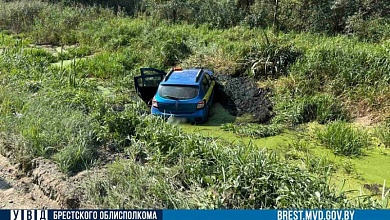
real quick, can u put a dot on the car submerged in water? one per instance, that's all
(181, 93)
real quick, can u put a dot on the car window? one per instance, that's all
(208, 77)
(205, 84)
(178, 91)
(149, 81)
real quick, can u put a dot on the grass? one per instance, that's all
(208, 173)
(351, 172)
(383, 133)
(70, 113)
(346, 174)
(254, 130)
(344, 139)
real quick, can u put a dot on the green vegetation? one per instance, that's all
(254, 130)
(178, 170)
(74, 101)
(344, 139)
(383, 133)
(319, 107)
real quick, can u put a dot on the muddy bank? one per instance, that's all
(54, 183)
(241, 95)
(18, 191)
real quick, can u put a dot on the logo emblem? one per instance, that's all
(176, 104)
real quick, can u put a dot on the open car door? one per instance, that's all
(147, 83)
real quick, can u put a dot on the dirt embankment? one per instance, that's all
(241, 95)
(18, 191)
(43, 186)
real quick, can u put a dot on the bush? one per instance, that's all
(173, 51)
(271, 59)
(344, 139)
(373, 29)
(217, 14)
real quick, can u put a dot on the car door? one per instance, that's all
(209, 93)
(147, 83)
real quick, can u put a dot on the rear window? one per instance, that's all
(178, 91)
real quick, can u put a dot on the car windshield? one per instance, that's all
(178, 91)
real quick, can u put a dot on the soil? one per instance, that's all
(376, 189)
(365, 121)
(241, 95)
(44, 185)
(17, 191)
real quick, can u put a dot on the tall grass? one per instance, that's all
(171, 169)
(48, 130)
(254, 130)
(346, 68)
(322, 108)
(344, 139)
(385, 196)
(19, 16)
(70, 115)
(383, 133)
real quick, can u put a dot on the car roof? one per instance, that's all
(183, 77)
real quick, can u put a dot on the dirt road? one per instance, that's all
(17, 191)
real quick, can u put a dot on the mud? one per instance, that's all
(54, 183)
(18, 191)
(241, 95)
(376, 189)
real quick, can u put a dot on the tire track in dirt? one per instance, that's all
(18, 191)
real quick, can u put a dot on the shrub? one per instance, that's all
(217, 14)
(173, 51)
(373, 29)
(344, 139)
(272, 59)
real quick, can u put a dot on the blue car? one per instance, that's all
(183, 93)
